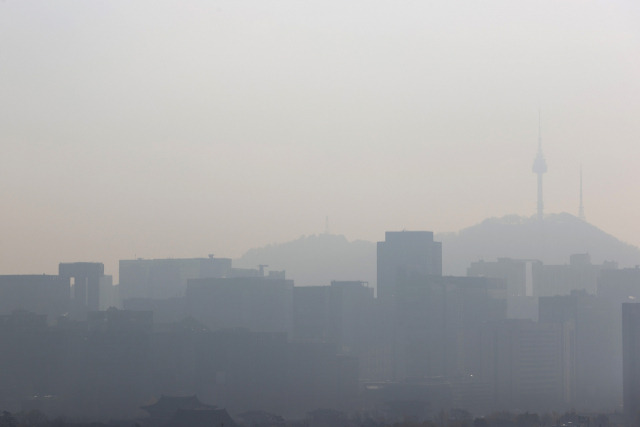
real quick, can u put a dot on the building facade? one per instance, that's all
(403, 253)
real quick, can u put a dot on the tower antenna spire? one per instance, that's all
(539, 168)
(581, 209)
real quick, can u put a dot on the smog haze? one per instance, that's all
(172, 129)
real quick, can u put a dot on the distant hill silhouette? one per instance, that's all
(553, 241)
(318, 259)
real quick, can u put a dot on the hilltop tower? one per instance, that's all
(539, 168)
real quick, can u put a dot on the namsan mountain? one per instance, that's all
(551, 240)
(317, 259)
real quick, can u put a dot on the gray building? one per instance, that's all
(594, 362)
(258, 304)
(85, 279)
(528, 365)
(167, 278)
(631, 361)
(37, 293)
(520, 275)
(617, 287)
(437, 324)
(405, 253)
(337, 314)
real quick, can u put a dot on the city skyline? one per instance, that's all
(511, 335)
(320, 213)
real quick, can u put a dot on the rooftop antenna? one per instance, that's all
(581, 209)
(539, 168)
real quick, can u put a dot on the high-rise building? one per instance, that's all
(579, 274)
(337, 314)
(167, 278)
(37, 293)
(522, 278)
(520, 275)
(406, 253)
(258, 304)
(528, 364)
(594, 358)
(631, 360)
(85, 279)
(436, 324)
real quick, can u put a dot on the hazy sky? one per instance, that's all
(178, 129)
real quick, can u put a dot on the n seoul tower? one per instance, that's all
(539, 168)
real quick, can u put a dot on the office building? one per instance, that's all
(258, 304)
(631, 361)
(436, 324)
(406, 253)
(594, 364)
(37, 293)
(85, 279)
(528, 365)
(167, 278)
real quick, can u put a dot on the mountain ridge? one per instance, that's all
(318, 259)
